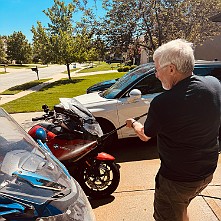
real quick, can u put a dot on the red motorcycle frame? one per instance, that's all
(71, 140)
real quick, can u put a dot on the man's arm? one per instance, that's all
(138, 128)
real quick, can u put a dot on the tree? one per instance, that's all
(55, 43)
(18, 48)
(59, 42)
(41, 44)
(2, 50)
(100, 48)
(158, 21)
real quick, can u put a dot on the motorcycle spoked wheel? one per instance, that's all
(100, 179)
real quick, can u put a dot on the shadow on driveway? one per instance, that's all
(133, 149)
(95, 203)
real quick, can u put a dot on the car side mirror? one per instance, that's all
(134, 95)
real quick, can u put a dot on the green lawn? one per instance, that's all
(21, 66)
(50, 94)
(71, 70)
(3, 72)
(100, 66)
(22, 87)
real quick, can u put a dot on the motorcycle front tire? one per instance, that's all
(103, 182)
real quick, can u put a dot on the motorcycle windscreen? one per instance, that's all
(89, 122)
(27, 172)
(76, 107)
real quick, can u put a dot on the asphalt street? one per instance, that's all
(15, 77)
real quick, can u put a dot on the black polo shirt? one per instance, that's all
(186, 121)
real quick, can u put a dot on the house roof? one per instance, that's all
(216, 18)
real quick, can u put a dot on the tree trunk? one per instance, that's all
(68, 70)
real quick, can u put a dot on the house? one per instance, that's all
(216, 18)
(211, 49)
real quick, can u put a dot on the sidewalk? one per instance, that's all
(7, 98)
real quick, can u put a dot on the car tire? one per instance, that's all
(106, 127)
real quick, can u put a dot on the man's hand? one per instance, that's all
(130, 122)
(138, 128)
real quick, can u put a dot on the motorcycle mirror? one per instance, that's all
(59, 108)
(45, 108)
(51, 113)
(38, 181)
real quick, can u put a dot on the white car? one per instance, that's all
(128, 97)
(131, 95)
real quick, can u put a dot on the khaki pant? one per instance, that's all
(172, 198)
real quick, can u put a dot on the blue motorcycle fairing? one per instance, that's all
(38, 180)
(11, 208)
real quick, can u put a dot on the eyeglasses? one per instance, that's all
(157, 70)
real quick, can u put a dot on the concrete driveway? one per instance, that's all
(133, 200)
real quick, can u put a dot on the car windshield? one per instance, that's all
(27, 170)
(126, 80)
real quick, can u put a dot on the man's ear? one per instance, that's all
(172, 68)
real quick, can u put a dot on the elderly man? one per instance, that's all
(185, 119)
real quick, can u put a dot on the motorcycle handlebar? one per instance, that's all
(38, 118)
(44, 117)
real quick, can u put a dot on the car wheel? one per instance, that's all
(106, 127)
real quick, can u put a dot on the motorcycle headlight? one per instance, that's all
(94, 129)
(79, 210)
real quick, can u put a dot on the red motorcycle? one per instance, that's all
(75, 138)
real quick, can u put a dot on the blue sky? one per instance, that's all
(21, 15)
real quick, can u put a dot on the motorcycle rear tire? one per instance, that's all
(90, 182)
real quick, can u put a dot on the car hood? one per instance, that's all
(90, 99)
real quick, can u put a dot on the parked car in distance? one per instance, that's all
(131, 95)
(101, 86)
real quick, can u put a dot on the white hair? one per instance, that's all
(178, 52)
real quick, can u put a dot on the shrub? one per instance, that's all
(126, 68)
(132, 67)
(120, 69)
